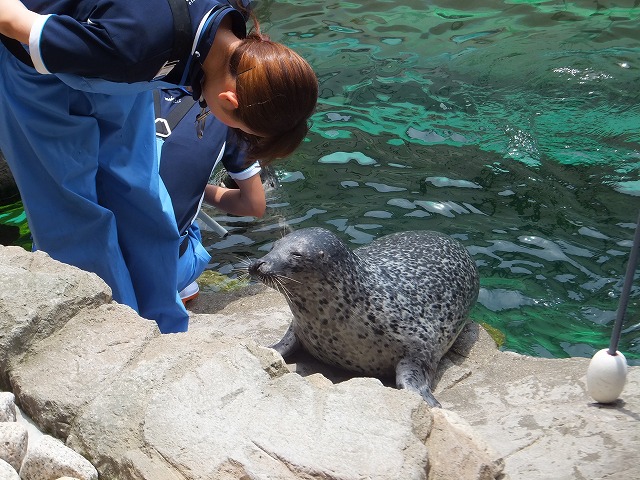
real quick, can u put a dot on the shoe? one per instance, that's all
(190, 292)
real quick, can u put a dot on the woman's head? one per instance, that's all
(267, 95)
(277, 92)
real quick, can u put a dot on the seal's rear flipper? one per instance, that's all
(289, 343)
(412, 376)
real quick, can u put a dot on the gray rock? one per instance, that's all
(213, 404)
(13, 443)
(7, 407)
(49, 458)
(239, 413)
(456, 451)
(77, 363)
(289, 426)
(537, 415)
(7, 472)
(39, 296)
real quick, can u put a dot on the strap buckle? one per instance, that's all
(163, 130)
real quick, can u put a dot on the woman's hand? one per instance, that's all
(16, 20)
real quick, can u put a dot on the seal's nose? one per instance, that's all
(254, 267)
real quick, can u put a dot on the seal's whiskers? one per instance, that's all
(242, 267)
(244, 276)
(243, 263)
(277, 283)
(288, 279)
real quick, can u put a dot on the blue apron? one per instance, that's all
(86, 163)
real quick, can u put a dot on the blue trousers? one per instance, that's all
(87, 170)
(194, 259)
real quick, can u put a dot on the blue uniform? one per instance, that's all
(79, 137)
(186, 164)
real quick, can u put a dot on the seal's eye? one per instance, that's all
(296, 254)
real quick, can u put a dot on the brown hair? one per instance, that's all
(277, 92)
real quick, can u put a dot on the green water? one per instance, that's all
(13, 226)
(511, 125)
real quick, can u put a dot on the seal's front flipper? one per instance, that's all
(412, 376)
(289, 343)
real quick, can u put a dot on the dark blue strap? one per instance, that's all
(165, 125)
(181, 30)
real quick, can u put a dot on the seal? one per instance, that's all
(394, 306)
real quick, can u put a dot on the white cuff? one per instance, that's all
(34, 43)
(247, 173)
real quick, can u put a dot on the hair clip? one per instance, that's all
(245, 71)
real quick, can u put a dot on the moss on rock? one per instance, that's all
(211, 280)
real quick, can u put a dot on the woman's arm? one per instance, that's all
(120, 44)
(247, 200)
(16, 20)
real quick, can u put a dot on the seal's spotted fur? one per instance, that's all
(395, 305)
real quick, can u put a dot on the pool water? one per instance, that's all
(510, 125)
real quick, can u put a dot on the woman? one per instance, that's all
(77, 127)
(186, 166)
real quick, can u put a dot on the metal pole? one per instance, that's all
(626, 289)
(211, 223)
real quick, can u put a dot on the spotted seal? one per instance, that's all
(393, 306)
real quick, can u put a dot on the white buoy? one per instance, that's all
(606, 376)
(607, 371)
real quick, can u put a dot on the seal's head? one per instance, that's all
(301, 256)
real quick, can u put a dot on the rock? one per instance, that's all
(339, 432)
(39, 296)
(456, 451)
(7, 407)
(49, 458)
(240, 415)
(7, 472)
(537, 415)
(212, 403)
(13, 443)
(87, 353)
